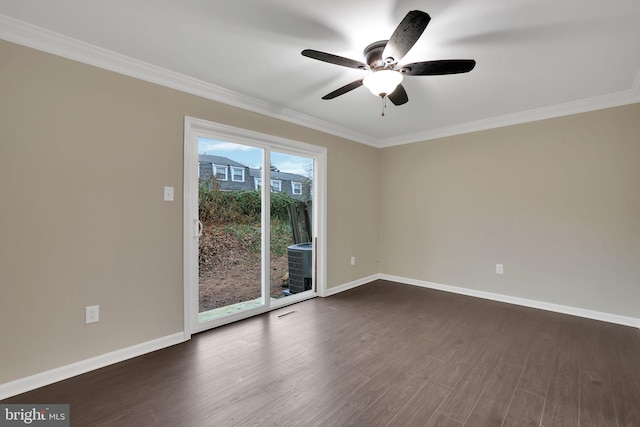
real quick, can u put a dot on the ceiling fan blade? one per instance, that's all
(399, 96)
(334, 59)
(344, 89)
(405, 36)
(435, 68)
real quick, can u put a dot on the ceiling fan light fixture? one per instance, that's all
(382, 82)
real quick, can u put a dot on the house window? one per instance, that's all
(276, 185)
(258, 183)
(296, 188)
(237, 174)
(222, 173)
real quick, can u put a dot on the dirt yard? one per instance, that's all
(230, 268)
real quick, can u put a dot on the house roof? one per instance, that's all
(282, 176)
(219, 160)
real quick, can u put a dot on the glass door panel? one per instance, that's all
(291, 248)
(230, 260)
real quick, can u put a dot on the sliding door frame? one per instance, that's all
(193, 128)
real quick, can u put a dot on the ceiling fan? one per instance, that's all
(382, 60)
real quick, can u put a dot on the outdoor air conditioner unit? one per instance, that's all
(300, 267)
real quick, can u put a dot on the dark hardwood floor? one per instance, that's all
(381, 354)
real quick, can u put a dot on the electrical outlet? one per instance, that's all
(92, 314)
(499, 269)
(353, 260)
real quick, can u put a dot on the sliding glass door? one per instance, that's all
(250, 223)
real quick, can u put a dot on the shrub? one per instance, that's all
(279, 203)
(215, 205)
(249, 203)
(244, 207)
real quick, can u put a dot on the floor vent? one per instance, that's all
(280, 316)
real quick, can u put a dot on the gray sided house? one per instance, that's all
(231, 175)
(234, 176)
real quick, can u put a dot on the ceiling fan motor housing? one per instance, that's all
(373, 55)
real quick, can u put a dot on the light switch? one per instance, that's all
(168, 194)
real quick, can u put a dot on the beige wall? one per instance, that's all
(556, 201)
(84, 155)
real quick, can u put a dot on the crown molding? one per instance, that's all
(38, 38)
(617, 99)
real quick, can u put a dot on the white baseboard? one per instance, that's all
(42, 379)
(350, 285)
(64, 372)
(574, 311)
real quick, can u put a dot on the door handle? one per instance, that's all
(197, 228)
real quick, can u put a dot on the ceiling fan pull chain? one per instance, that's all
(384, 105)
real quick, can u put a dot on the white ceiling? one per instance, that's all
(535, 58)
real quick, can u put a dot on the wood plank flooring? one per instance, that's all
(383, 354)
